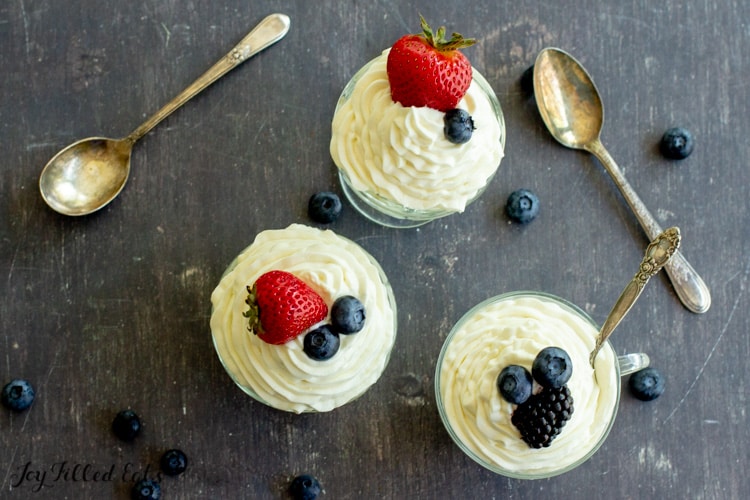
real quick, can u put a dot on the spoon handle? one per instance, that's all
(269, 31)
(658, 253)
(689, 286)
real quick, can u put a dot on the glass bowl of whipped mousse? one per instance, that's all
(557, 426)
(394, 162)
(285, 376)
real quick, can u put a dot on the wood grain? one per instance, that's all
(111, 311)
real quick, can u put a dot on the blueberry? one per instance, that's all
(126, 425)
(527, 81)
(458, 125)
(17, 395)
(552, 367)
(515, 384)
(324, 207)
(173, 462)
(305, 487)
(522, 206)
(347, 315)
(146, 489)
(676, 143)
(322, 343)
(647, 384)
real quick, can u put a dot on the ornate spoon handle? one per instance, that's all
(689, 286)
(269, 31)
(657, 254)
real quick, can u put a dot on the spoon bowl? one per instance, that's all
(567, 99)
(572, 110)
(88, 174)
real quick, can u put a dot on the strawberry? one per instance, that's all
(427, 70)
(282, 306)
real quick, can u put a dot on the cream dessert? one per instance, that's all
(284, 376)
(397, 159)
(511, 330)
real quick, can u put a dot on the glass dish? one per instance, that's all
(387, 211)
(248, 359)
(494, 442)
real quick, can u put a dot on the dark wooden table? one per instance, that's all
(111, 310)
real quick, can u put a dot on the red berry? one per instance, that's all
(282, 306)
(428, 70)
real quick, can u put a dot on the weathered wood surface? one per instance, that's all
(111, 310)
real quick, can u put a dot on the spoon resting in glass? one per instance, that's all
(658, 253)
(90, 173)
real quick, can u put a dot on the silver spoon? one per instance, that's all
(88, 174)
(658, 253)
(570, 106)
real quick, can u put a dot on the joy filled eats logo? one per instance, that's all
(40, 476)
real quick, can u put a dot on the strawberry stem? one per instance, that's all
(253, 312)
(438, 40)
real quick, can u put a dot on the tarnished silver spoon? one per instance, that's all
(88, 174)
(658, 253)
(570, 106)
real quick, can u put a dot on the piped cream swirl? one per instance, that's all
(284, 376)
(401, 153)
(513, 331)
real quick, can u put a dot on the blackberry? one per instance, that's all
(541, 418)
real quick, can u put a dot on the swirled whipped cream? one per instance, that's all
(283, 376)
(401, 153)
(513, 331)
